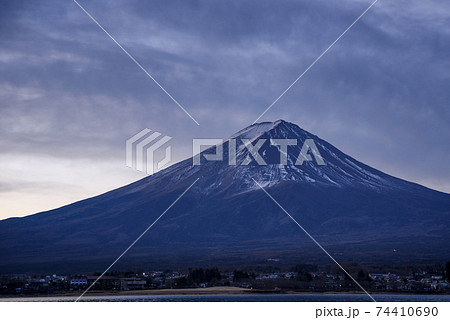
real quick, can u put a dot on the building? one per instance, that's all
(132, 284)
(78, 281)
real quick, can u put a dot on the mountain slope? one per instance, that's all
(355, 211)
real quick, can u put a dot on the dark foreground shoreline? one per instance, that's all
(211, 291)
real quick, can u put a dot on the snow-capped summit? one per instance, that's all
(336, 168)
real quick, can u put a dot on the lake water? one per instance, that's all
(245, 298)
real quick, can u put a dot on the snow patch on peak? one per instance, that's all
(253, 131)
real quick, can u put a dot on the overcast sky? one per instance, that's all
(69, 97)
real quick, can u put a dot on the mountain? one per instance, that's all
(356, 212)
